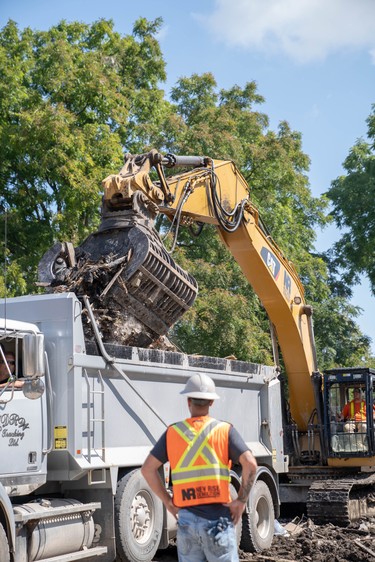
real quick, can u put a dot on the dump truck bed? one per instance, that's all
(112, 402)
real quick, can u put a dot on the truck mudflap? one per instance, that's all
(341, 501)
(136, 289)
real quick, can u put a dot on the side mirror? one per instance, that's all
(33, 388)
(33, 355)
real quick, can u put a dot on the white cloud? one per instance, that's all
(304, 30)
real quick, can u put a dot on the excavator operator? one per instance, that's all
(354, 413)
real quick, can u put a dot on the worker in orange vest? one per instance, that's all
(200, 450)
(354, 414)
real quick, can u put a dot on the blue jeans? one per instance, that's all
(201, 540)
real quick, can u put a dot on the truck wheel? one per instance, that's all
(138, 519)
(4, 546)
(259, 520)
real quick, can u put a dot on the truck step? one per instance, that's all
(80, 555)
(55, 512)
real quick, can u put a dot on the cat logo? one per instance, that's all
(271, 261)
(287, 287)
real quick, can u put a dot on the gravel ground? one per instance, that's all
(327, 543)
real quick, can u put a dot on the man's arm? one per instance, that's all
(15, 384)
(345, 412)
(150, 472)
(249, 468)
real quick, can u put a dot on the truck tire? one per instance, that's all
(138, 519)
(259, 520)
(4, 546)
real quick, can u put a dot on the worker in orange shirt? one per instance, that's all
(354, 414)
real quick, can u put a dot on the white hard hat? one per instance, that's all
(200, 386)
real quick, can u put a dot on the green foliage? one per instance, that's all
(352, 197)
(194, 95)
(221, 324)
(221, 124)
(12, 280)
(339, 343)
(70, 98)
(227, 318)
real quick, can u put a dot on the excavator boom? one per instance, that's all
(152, 291)
(218, 194)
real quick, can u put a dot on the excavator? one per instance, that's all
(138, 292)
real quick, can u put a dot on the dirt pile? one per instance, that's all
(313, 543)
(307, 542)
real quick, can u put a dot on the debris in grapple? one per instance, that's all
(136, 289)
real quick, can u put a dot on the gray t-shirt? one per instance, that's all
(236, 447)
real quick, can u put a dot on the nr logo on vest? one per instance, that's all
(200, 492)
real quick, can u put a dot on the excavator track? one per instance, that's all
(341, 501)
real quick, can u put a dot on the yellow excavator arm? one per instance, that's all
(215, 192)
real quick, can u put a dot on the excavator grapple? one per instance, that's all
(136, 289)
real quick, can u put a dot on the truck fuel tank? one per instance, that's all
(58, 527)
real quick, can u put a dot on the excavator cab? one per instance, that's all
(349, 412)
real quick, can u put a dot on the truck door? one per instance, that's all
(23, 436)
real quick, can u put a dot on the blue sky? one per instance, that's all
(313, 61)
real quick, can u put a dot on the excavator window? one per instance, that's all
(348, 423)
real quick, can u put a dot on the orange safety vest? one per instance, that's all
(360, 414)
(355, 411)
(197, 451)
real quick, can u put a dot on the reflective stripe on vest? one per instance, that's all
(206, 482)
(361, 411)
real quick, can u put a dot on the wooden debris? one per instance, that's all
(275, 559)
(365, 548)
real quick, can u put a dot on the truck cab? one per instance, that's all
(23, 438)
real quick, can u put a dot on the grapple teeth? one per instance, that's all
(128, 274)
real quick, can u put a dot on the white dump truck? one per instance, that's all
(74, 435)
